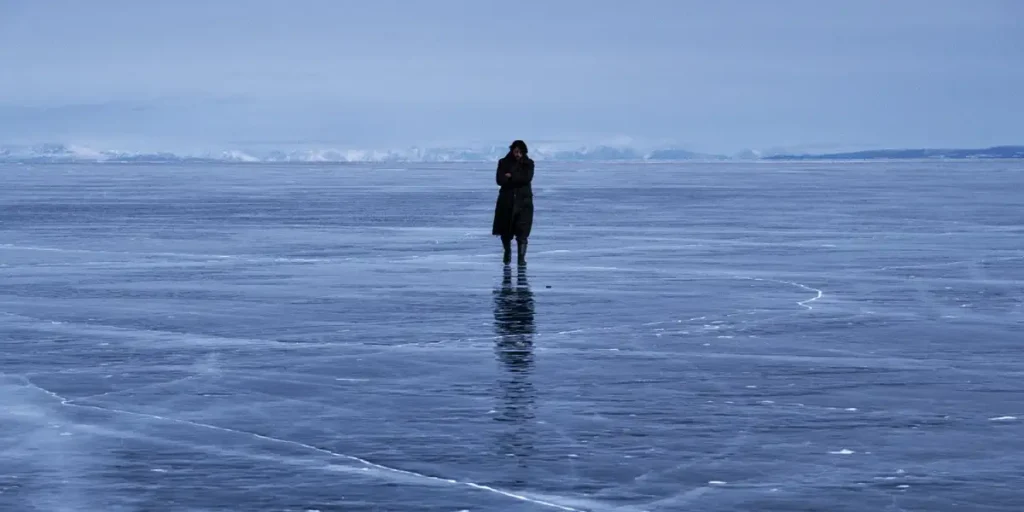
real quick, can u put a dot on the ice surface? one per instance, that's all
(687, 337)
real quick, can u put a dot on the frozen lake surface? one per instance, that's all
(770, 337)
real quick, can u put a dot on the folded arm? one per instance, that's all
(500, 177)
(523, 175)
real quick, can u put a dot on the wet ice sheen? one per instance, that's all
(686, 337)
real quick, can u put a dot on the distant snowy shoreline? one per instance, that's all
(62, 153)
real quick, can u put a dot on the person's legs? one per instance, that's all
(513, 232)
(521, 242)
(506, 243)
(523, 226)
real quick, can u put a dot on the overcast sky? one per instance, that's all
(712, 76)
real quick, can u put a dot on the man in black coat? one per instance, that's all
(513, 213)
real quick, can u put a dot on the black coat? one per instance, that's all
(513, 212)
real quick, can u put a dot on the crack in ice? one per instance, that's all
(818, 294)
(386, 469)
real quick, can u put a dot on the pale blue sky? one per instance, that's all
(712, 76)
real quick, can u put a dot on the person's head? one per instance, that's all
(518, 149)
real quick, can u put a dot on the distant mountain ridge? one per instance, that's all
(65, 153)
(995, 152)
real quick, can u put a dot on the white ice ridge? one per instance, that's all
(383, 469)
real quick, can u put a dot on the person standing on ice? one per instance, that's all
(513, 212)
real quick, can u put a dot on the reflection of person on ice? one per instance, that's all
(513, 213)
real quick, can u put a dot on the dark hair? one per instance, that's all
(519, 144)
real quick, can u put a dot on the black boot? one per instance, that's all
(521, 245)
(507, 244)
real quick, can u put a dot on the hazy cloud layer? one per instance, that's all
(713, 76)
